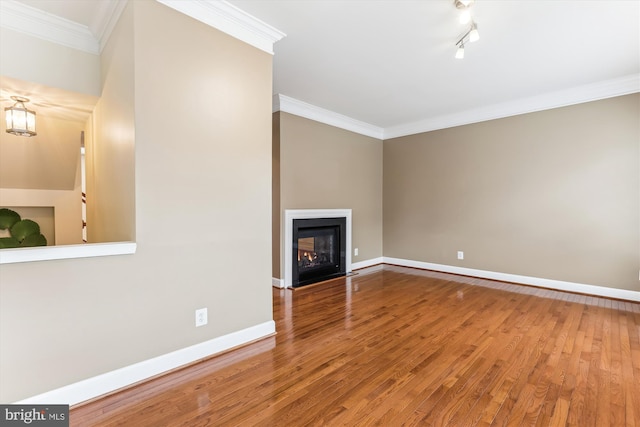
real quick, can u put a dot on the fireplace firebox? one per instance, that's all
(319, 249)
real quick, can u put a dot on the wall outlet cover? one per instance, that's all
(201, 317)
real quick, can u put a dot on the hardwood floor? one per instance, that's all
(396, 346)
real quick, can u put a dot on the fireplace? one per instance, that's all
(318, 250)
(290, 256)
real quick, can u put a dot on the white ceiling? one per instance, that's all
(389, 63)
(392, 62)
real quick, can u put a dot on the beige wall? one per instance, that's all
(324, 167)
(552, 194)
(202, 200)
(46, 161)
(110, 144)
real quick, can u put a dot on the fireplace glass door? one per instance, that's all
(318, 250)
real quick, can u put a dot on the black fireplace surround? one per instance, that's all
(319, 250)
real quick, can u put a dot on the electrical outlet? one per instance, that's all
(355, 252)
(201, 317)
(460, 255)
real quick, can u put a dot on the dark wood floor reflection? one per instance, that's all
(395, 346)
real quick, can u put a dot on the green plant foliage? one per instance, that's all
(8, 242)
(8, 218)
(24, 232)
(22, 229)
(34, 240)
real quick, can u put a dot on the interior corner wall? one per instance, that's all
(275, 196)
(110, 146)
(553, 194)
(324, 167)
(197, 217)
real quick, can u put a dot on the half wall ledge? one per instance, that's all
(85, 250)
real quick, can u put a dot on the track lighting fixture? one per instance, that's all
(472, 34)
(465, 10)
(460, 51)
(463, 4)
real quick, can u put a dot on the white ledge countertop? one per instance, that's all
(85, 250)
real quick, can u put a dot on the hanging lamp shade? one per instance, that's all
(20, 120)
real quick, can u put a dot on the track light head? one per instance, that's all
(474, 36)
(460, 51)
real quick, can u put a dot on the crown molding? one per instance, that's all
(308, 111)
(106, 20)
(577, 95)
(34, 22)
(231, 20)
(218, 14)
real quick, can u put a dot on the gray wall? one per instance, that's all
(552, 194)
(202, 201)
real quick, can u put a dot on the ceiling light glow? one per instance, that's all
(465, 16)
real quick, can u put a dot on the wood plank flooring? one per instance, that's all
(394, 346)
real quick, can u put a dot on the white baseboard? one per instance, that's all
(114, 380)
(278, 283)
(367, 263)
(525, 280)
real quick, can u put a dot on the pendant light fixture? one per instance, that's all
(20, 120)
